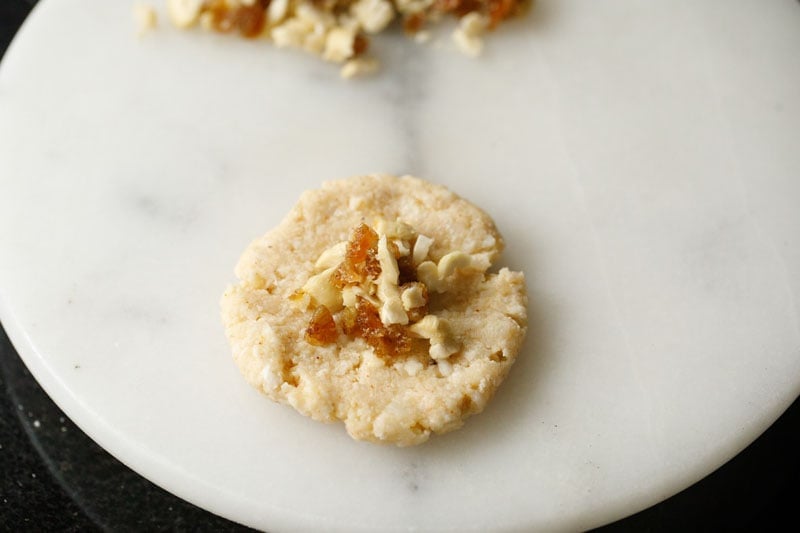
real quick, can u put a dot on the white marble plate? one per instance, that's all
(641, 159)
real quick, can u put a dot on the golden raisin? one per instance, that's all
(249, 20)
(321, 329)
(413, 23)
(360, 261)
(220, 15)
(458, 8)
(360, 45)
(365, 322)
(362, 241)
(500, 10)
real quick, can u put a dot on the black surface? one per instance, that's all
(53, 477)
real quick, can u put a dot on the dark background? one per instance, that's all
(54, 477)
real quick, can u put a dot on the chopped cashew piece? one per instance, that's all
(421, 248)
(452, 262)
(339, 45)
(470, 46)
(413, 367)
(474, 24)
(374, 15)
(315, 41)
(413, 6)
(322, 290)
(351, 294)
(395, 230)
(468, 35)
(184, 13)
(360, 66)
(428, 273)
(277, 10)
(332, 256)
(145, 17)
(413, 296)
(402, 248)
(291, 33)
(392, 311)
(437, 330)
(318, 19)
(434, 276)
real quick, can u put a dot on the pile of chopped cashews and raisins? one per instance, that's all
(337, 30)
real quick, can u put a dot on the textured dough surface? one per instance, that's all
(404, 400)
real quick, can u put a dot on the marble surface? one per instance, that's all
(643, 177)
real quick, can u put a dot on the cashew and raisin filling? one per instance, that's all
(340, 30)
(377, 286)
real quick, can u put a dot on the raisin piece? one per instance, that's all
(387, 341)
(321, 329)
(360, 45)
(459, 8)
(413, 23)
(360, 261)
(499, 10)
(249, 20)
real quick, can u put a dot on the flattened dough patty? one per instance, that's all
(399, 400)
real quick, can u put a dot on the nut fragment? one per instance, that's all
(392, 311)
(332, 256)
(435, 276)
(184, 13)
(358, 67)
(452, 262)
(339, 45)
(395, 229)
(421, 248)
(413, 295)
(374, 15)
(291, 33)
(468, 34)
(437, 330)
(277, 10)
(322, 290)
(145, 17)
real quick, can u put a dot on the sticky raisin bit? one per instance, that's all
(220, 15)
(321, 329)
(249, 20)
(413, 23)
(499, 10)
(360, 45)
(390, 341)
(360, 261)
(459, 8)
